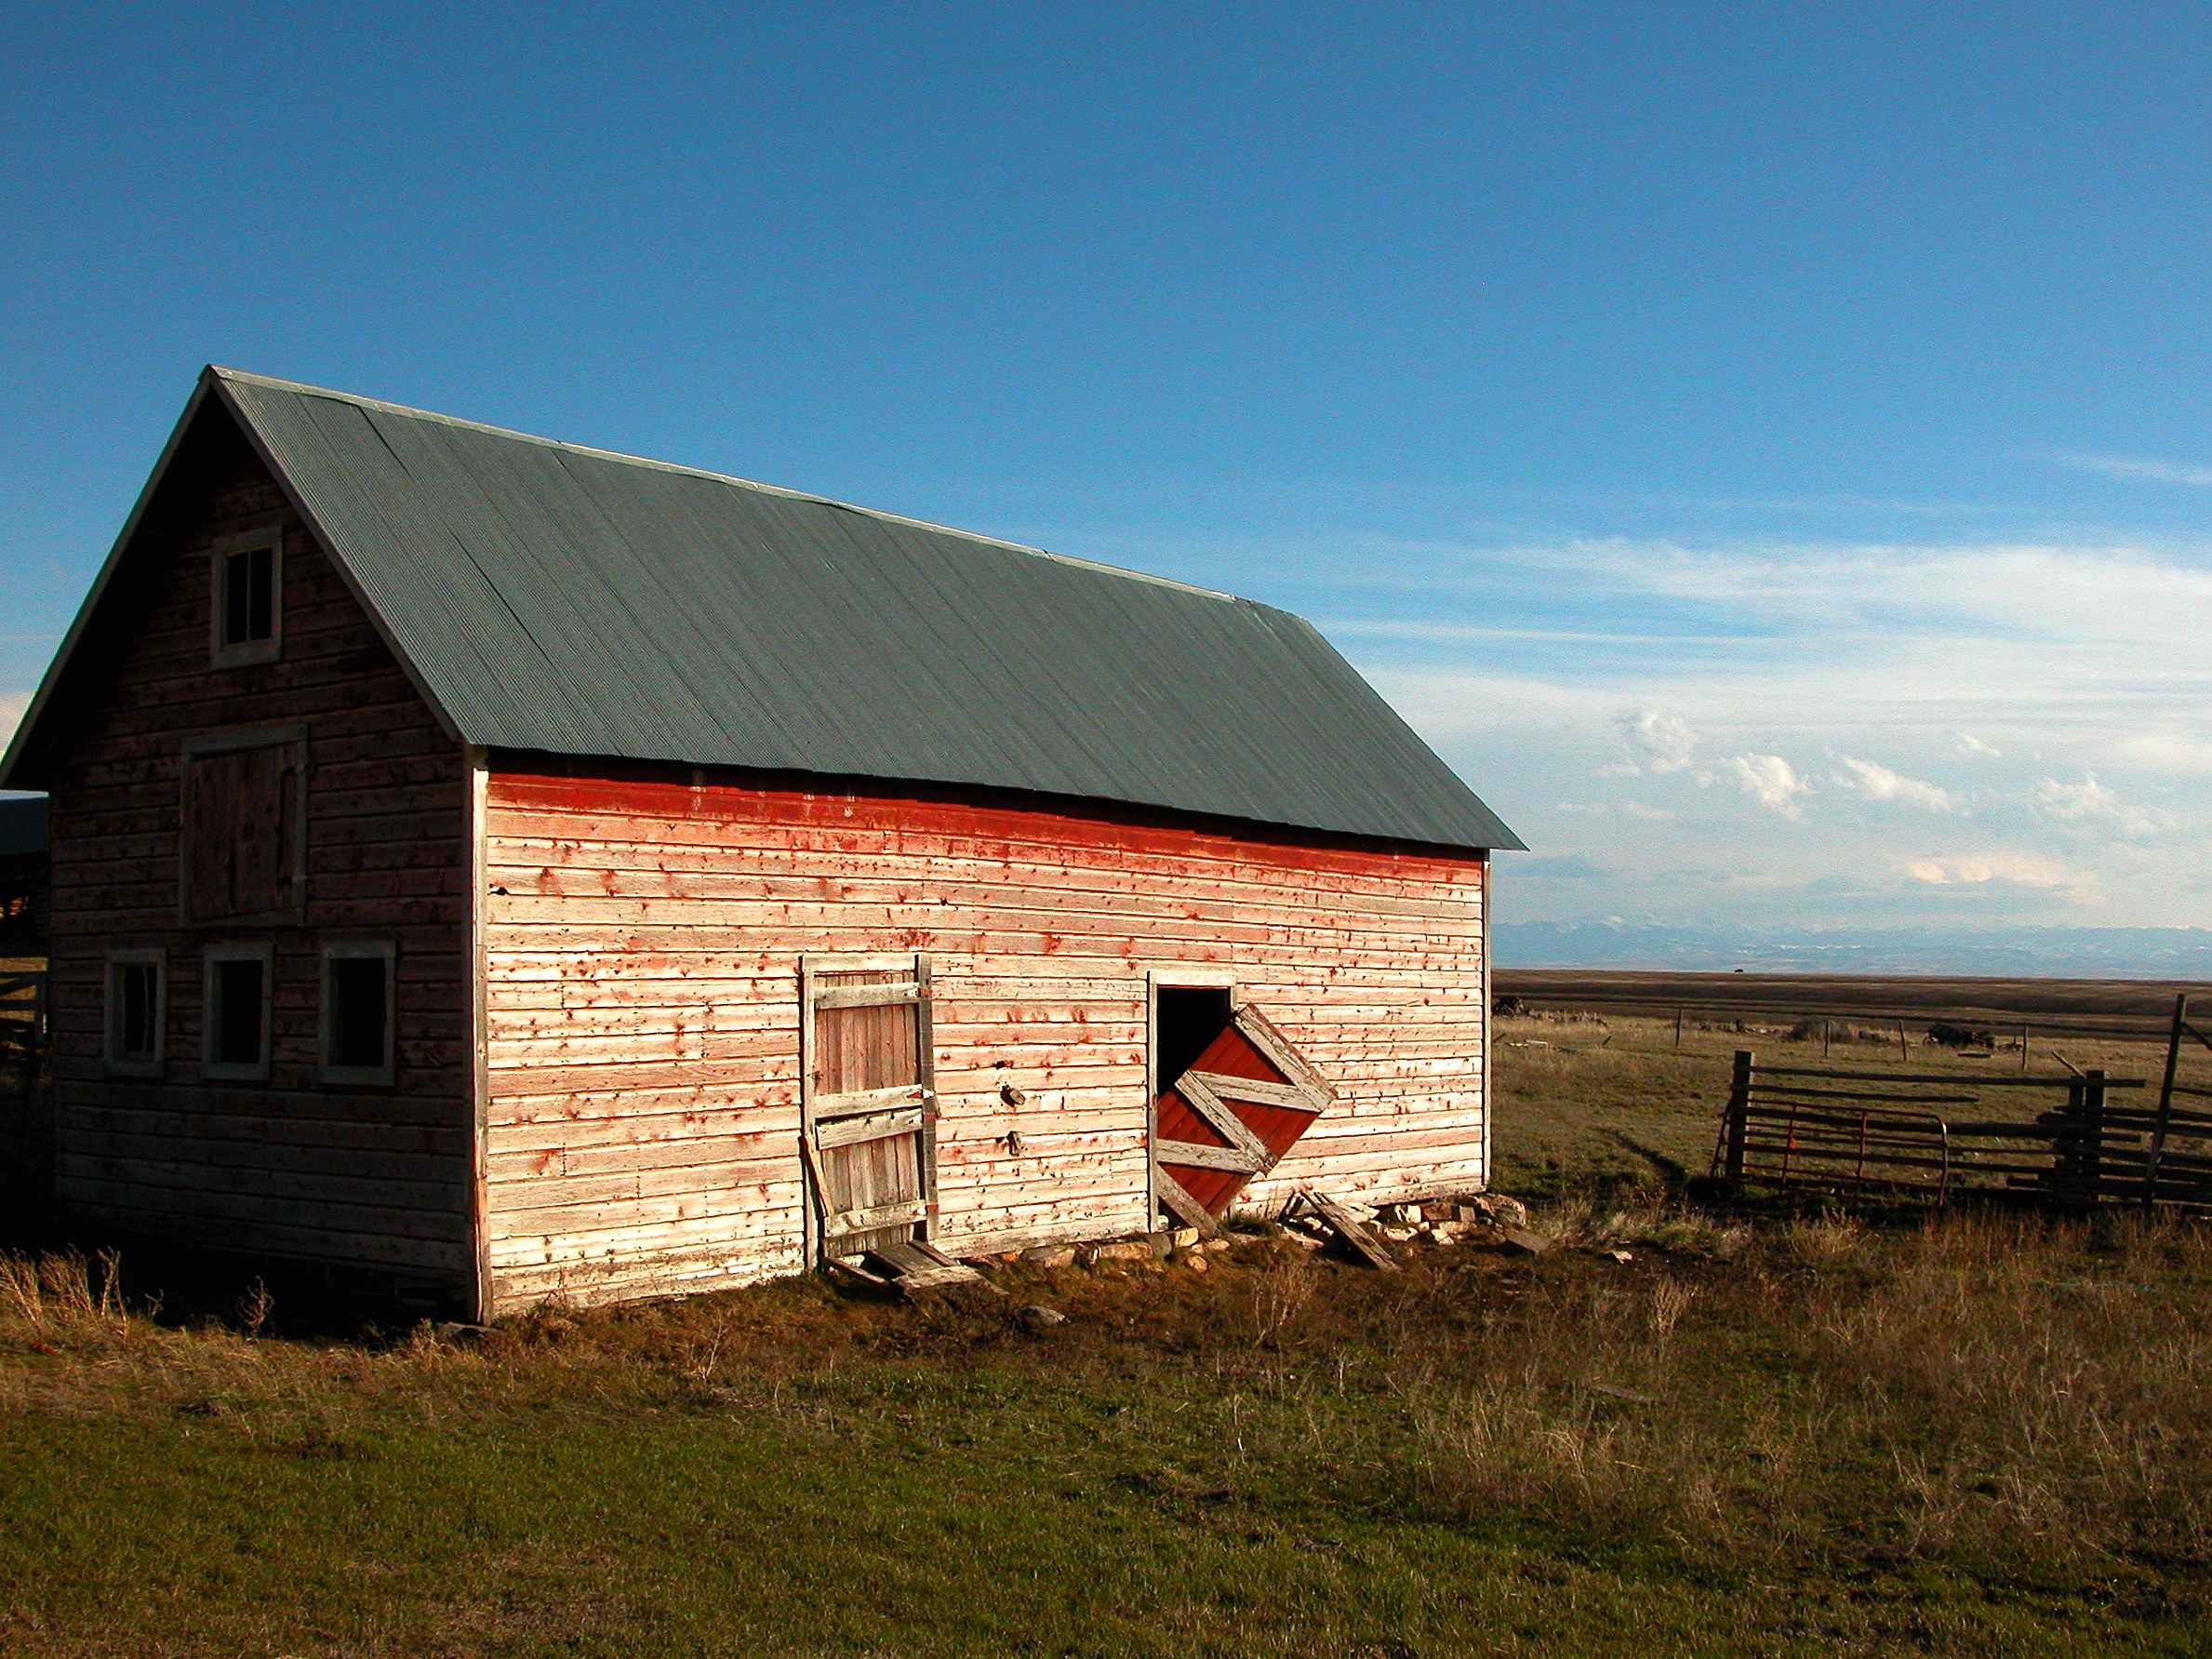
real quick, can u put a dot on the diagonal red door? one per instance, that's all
(1232, 1115)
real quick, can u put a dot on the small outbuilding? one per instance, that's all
(533, 871)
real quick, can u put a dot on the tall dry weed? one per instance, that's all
(60, 1295)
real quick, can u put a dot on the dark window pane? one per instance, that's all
(359, 1010)
(134, 1010)
(249, 595)
(238, 1013)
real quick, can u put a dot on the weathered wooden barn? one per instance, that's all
(531, 870)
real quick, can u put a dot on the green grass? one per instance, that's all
(1810, 1437)
(1964, 1435)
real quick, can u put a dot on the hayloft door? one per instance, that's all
(1229, 1115)
(868, 1106)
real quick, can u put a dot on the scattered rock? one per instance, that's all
(1195, 1264)
(1622, 1256)
(1050, 1255)
(1493, 1210)
(1120, 1249)
(453, 1330)
(1628, 1395)
(1184, 1237)
(1041, 1318)
(1520, 1241)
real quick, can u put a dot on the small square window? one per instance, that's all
(237, 1015)
(136, 1014)
(358, 1012)
(247, 598)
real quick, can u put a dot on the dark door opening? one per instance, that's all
(1185, 1019)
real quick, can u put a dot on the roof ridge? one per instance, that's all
(272, 381)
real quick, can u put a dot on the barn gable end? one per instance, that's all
(374, 803)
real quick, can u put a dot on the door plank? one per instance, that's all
(851, 1132)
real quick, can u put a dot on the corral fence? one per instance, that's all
(2085, 1138)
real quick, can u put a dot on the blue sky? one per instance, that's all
(1765, 448)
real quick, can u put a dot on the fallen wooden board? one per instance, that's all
(1349, 1229)
(913, 1265)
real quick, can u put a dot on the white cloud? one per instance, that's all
(2124, 466)
(2040, 666)
(2011, 869)
(1649, 815)
(1659, 742)
(2090, 801)
(1770, 780)
(2172, 754)
(1877, 782)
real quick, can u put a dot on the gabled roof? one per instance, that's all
(553, 597)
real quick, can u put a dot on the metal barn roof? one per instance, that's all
(554, 597)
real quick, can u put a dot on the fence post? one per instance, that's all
(1740, 1101)
(1905, 1055)
(1678, 1028)
(2166, 1101)
(2093, 1129)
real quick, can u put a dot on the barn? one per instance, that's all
(529, 871)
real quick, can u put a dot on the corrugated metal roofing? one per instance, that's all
(550, 596)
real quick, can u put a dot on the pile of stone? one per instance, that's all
(1483, 1218)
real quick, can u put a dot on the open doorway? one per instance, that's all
(1185, 1019)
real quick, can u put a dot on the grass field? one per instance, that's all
(1772, 1434)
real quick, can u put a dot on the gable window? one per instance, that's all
(136, 1013)
(238, 1013)
(249, 598)
(242, 856)
(357, 1013)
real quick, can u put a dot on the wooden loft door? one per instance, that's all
(867, 1102)
(1231, 1116)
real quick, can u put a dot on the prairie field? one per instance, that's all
(1674, 1429)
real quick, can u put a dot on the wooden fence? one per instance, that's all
(2085, 1139)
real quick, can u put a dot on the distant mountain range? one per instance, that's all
(2056, 952)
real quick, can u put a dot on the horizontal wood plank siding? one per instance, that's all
(643, 1011)
(293, 1166)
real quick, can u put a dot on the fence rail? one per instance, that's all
(1834, 1129)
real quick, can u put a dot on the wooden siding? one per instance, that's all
(642, 942)
(293, 1166)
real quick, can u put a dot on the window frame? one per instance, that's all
(358, 950)
(224, 1071)
(123, 1066)
(224, 653)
